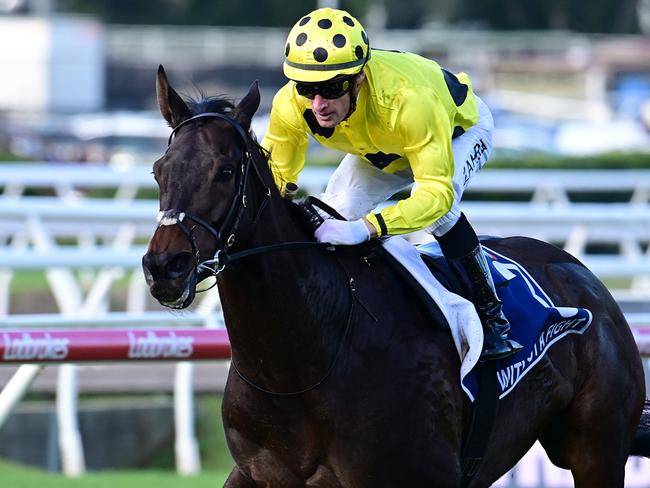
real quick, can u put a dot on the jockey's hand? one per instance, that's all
(343, 232)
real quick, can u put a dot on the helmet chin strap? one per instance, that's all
(353, 106)
(354, 93)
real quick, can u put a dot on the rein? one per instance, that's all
(222, 259)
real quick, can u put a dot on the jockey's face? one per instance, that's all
(330, 112)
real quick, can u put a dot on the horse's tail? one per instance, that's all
(641, 446)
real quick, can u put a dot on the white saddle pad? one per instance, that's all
(460, 313)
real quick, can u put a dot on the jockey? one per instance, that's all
(402, 120)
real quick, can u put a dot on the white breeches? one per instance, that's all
(356, 187)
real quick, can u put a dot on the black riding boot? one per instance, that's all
(463, 253)
(472, 269)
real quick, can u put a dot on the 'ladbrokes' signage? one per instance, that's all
(28, 348)
(164, 346)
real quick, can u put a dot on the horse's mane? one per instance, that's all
(203, 104)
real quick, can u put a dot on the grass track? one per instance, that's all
(16, 476)
(215, 460)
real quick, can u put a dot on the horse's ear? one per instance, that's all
(248, 106)
(172, 106)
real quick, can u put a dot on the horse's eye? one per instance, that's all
(224, 174)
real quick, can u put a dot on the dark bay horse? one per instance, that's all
(340, 377)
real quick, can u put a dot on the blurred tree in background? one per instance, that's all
(605, 16)
(280, 13)
(602, 16)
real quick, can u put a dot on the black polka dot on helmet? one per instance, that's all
(320, 54)
(324, 23)
(304, 20)
(287, 49)
(348, 21)
(339, 40)
(301, 39)
(358, 52)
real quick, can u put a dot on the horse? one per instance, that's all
(340, 377)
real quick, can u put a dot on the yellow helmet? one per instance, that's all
(323, 44)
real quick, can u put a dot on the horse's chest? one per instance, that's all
(324, 477)
(270, 469)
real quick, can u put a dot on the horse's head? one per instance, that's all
(203, 179)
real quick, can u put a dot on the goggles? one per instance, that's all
(329, 89)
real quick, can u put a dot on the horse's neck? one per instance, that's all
(302, 275)
(284, 306)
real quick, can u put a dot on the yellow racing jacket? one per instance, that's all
(408, 111)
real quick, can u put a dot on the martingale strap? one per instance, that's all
(354, 298)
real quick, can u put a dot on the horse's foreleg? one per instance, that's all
(238, 480)
(599, 474)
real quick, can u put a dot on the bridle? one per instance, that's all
(237, 206)
(230, 224)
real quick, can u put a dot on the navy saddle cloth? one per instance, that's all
(536, 323)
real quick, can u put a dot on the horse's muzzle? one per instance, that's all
(171, 278)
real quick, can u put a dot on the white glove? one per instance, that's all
(342, 232)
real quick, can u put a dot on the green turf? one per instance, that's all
(214, 453)
(16, 476)
(215, 460)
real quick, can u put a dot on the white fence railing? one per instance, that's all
(109, 233)
(623, 227)
(544, 185)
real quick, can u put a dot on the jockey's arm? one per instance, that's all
(426, 133)
(286, 143)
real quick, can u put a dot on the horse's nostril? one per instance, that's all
(149, 267)
(179, 265)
